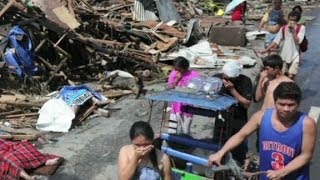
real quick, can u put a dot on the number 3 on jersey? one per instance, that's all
(278, 161)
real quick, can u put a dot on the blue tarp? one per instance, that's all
(19, 56)
(219, 102)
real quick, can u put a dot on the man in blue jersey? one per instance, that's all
(287, 137)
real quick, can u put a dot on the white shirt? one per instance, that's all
(290, 51)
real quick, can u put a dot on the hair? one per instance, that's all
(295, 14)
(141, 128)
(274, 61)
(287, 90)
(297, 7)
(181, 62)
(277, 0)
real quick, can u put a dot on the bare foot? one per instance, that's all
(25, 176)
(40, 177)
(52, 161)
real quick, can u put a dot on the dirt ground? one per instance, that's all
(91, 151)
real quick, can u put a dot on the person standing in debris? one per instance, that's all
(272, 21)
(299, 10)
(292, 36)
(141, 160)
(270, 78)
(238, 14)
(180, 77)
(287, 137)
(240, 87)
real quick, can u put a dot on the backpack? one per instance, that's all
(304, 44)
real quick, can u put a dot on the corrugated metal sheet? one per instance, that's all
(143, 10)
(167, 11)
(195, 33)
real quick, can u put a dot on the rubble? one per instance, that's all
(78, 41)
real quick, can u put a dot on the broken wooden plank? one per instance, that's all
(20, 137)
(8, 5)
(102, 112)
(57, 69)
(90, 110)
(10, 112)
(101, 41)
(21, 115)
(23, 104)
(191, 9)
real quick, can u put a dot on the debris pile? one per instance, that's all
(48, 44)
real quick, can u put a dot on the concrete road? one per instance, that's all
(309, 81)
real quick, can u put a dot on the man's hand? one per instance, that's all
(228, 84)
(263, 75)
(264, 51)
(140, 152)
(275, 175)
(215, 159)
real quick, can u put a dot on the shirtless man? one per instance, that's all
(270, 78)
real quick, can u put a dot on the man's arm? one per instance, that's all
(275, 43)
(251, 126)
(166, 167)
(244, 97)
(262, 86)
(242, 100)
(264, 20)
(308, 144)
(298, 37)
(126, 168)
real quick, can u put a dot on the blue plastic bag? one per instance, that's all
(19, 56)
(77, 95)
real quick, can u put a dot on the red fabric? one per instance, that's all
(15, 157)
(238, 13)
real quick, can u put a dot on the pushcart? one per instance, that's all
(199, 104)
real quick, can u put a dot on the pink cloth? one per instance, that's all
(186, 78)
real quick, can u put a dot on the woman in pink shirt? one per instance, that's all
(180, 77)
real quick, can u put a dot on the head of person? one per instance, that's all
(141, 134)
(273, 65)
(294, 17)
(297, 9)
(277, 4)
(181, 64)
(287, 97)
(231, 70)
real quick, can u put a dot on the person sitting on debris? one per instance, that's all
(141, 160)
(292, 36)
(287, 137)
(272, 21)
(16, 158)
(180, 77)
(240, 87)
(238, 14)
